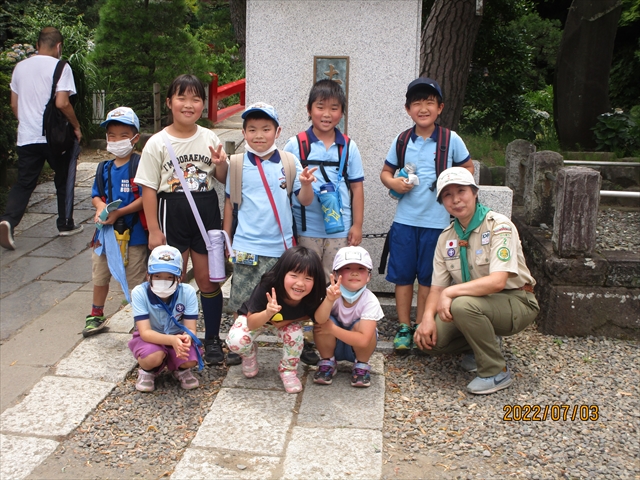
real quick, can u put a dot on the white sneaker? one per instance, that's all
(6, 236)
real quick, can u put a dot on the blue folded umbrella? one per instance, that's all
(106, 237)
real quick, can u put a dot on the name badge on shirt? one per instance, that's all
(486, 236)
(244, 258)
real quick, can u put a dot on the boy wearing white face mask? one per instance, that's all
(165, 312)
(114, 182)
(346, 321)
(261, 238)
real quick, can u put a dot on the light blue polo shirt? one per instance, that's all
(146, 306)
(258, 231)
(355, 173)
(418, 207)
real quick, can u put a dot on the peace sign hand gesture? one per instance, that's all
(218, 155)
(333, 290)
(307, 177)
(272, 304)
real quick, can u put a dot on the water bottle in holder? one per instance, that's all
(331, 208)
(216, 256)
(123, 235)
(409, 173)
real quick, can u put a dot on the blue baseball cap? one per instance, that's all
(165, 259)
(264, 108)
(422, 82)
(123, 115)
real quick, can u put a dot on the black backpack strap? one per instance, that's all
(57, 73)
(442, 152)
(385, 254)
(100, 181)
(134, 161)
(401, 146)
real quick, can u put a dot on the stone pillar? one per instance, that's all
(574, 224)
(516, 153)
(539, 187)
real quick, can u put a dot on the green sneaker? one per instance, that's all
(403, 340)
(93, 325)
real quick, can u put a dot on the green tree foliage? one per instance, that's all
(624, 87)
(140, 42)
(514, 57)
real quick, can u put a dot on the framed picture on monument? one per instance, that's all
(336, 69)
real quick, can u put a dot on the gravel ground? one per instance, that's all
(618, 230)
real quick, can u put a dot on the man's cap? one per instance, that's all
(423, 82)
(165, 258)
(347, 255)
(455, 175)
(264, 108)
(123, 115)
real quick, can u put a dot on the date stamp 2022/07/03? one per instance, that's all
(542, 413)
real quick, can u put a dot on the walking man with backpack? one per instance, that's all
(31, 86)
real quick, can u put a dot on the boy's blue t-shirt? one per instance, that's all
(419, 207)
(258, 231)
(147, 306)
(355, 173)
(121, 191)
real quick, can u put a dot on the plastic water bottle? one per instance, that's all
(331, 208)
(405, 172)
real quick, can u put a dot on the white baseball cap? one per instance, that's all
(165, 258)
(347, 255)
(454, 175)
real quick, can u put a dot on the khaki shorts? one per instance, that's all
(326, 248)
(136, 269)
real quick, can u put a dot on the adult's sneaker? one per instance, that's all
(213, 354)
(326, 370)
(6, 236)
(93, 325)
(69, 230)
(309, 355)
(403, 340)
(484, 386)
(361, 375)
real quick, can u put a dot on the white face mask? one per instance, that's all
(260, 154)
(121, 148)
(164, 288)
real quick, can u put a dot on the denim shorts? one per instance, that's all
(411, 251)
(344, 351)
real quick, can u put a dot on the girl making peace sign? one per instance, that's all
(286, 296)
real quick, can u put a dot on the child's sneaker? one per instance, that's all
(250, 363)
(309, 355)
(213, 354)
(326, 370)
(361, 375)
(186, 379)
(291, 381)
(146, 381)
(403, 340)
(93, 325)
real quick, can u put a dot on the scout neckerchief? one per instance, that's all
(169, 310)
(476, 221)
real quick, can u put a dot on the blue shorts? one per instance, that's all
(344, 351)
(411, 251)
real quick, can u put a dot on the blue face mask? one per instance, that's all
(350, 296)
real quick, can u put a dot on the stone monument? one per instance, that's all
(374, 47)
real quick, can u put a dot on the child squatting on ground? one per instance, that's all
(419, 219)
(169, 216)
(287, 295)
(122, 126)
(165, 312)
(346, 320)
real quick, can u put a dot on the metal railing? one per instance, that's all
(217, 93)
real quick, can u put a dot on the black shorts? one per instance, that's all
(178, 223)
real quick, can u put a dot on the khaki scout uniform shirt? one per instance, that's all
(493, 247)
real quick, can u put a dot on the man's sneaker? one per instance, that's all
(309, 355)
(233, 359)
(146, 381)
(361, 375)
(468, 362)
(67, 231)
(484, 386)
(186, 379)
(403, 340)
(93, 325)
(326, 370)
(213, 354)
(6, 236)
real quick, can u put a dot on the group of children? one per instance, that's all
(277, 285)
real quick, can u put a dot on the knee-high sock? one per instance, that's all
(212, 311)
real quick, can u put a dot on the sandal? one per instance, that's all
(146, 381)
(186, 379)
(250, 363)
(291, 381)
